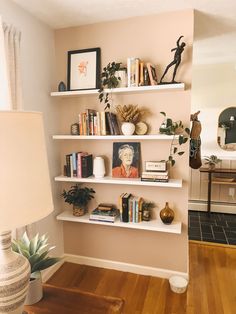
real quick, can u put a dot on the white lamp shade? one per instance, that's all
(25, 189)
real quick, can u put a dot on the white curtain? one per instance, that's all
(11, 95)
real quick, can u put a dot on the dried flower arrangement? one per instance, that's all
(129, 113)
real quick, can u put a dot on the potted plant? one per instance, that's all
(79, 198)
(109, 80)
(36, 251)
(129, 115)
(211, 161)
(170, 127)
(146, 210)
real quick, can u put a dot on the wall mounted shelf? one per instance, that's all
(124, 90)
(153, 225)
(115, 137)
(173, 183)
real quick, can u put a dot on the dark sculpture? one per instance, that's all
(177, 59)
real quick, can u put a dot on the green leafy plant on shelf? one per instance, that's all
(109, 80)
(36, 251)
(173, 128)
(78, 196)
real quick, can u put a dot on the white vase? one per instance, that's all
(14, 277)
(35, 291)
(127, 128)
(98, 167)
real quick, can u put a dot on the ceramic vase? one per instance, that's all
(14, 277)
(167, 214)
(98, 167)
(127, 128)
(35, 291)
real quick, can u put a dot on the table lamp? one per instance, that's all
(25, 197)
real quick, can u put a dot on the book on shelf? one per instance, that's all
(152, 73)
(104, 215)
(87, 165)
(155, 179)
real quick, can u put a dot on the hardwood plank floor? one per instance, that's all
(211, 290)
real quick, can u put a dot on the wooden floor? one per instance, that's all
(211, 290)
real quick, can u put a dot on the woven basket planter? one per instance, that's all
(78, 211)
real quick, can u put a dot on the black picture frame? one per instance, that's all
(83, 69)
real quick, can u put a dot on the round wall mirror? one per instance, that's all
(226, 135)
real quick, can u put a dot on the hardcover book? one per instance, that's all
(87, 165)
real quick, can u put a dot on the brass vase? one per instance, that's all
(167, 214)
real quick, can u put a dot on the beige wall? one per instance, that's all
(213, 90)
(38, 57)
(150, 38)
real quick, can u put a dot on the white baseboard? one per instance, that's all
(47, 273)
(126, 267)
(218, 208)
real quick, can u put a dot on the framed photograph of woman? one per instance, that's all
(126, 160)
(83, 69)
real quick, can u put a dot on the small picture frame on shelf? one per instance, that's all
(126, 160)
(83, 69)
(152, 74)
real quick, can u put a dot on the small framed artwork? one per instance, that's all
(152, 74)
(126, 160)
(83, 69)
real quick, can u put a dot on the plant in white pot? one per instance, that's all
(36, 251)
(129, 115)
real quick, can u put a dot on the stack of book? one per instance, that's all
(104, 212)
(79, 164)
(130, 208)
(94, 122)
(140, 73)
(155, 176)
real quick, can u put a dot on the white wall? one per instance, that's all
(38, 55)
(213, 90)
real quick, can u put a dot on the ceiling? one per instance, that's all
(215, 21)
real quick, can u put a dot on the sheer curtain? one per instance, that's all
(10, 87)
(10, 81)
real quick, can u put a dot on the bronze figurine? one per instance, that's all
(177, 60)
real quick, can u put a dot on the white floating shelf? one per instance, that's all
(115, 137)
(164, 87)
(173, 183)
(153, 225)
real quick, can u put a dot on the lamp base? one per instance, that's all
(14, 277)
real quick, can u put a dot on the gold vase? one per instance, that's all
(167, 214)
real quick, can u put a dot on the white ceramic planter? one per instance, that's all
(127, 128)
(35, 291)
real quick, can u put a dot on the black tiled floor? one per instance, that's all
(218, 228)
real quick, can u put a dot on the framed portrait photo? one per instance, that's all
(126, 160)
(152, 74)
(83, 70)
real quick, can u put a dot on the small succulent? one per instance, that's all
(36, 251)
(211, 160)
(129, 113)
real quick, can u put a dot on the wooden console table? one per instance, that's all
(218, 181)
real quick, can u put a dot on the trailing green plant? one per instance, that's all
(36, 251)
(108, 80)
(170, 127)
(78, 196)
(212, 160)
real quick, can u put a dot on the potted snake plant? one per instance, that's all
(36, 251)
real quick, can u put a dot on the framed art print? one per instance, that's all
(126, 160)
(83, 69)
